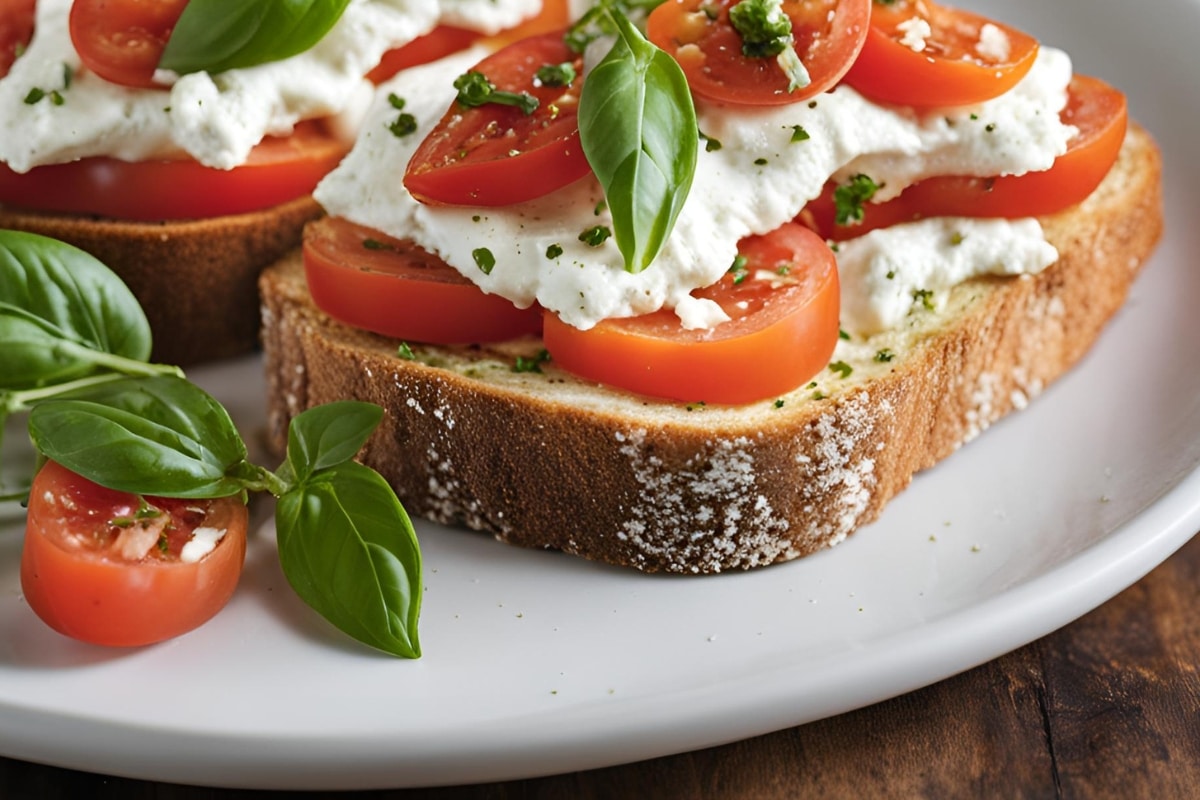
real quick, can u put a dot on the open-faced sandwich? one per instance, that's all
(703, 292)
(179, 141)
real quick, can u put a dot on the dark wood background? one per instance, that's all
(1108, 707)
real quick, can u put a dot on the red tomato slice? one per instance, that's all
(950, 66)
(91, 575)
(16, 30)
(438, 43)
(783, 328)
(279, 169)
(698, 34)
(122, 41)
(496, 155)
(368, 280)
(1095, 108)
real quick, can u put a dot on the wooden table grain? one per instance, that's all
(1107, 707)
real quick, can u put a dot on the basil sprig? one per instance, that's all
(217, 35)
(637, 125)
(345, 543)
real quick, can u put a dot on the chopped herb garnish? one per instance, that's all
(375, 244)
(842, 369)
(711, 145)
(849, 199)
(554, 251)
(799, 134)
(738, 269)
(760, 161)
(766, 31)
(534, 364)
(474, 90)
(556, 74)
(885, 355)
(396, 101)
(845, 337)
(484, 260)
(990, 127)
(405, 352)
(779, 403)
(924, 297)
(957, 238)
(403, 125)
(595, 236)
(35, 95)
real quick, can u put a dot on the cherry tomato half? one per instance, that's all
(16, 30)
(496, 155)
(438, 43)
(368, 280)
(96, 569)
(828, 35)
(783, 328)
(1095, 108)
(921, 54)
(122, 41)
(279, 169)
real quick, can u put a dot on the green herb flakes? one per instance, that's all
(554, 251)
(484, 260)
(531, 364)
(405, 352)
(595, 235)
(849, 199)
(799, 134)
(842, 369)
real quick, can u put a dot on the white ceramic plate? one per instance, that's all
(539, 663)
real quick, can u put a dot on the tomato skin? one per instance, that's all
(828, 34)
(94, 595)
(122, 41)
(1099, 112)
(438, 43)
(278, 169)
(949, 71)
(396, 289)
(783, 337)
(496, 155)
(16, 30)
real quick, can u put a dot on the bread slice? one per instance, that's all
(195, 279)
(550, 461)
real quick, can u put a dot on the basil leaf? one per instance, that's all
(58, 307)
(349, 551)
(159, 436)
(216, 35)
(328, 435)
(638, 128)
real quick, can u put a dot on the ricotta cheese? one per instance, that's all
(216, 119)
(755, 181)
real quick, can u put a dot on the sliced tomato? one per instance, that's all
(496, 155)
(279, 169)
(371, 281)
(918, 53)
(1099, 112)
(783, 326)
(438, 43)
(16, 30)
(828, 35)
(122, 41)
(109, 568)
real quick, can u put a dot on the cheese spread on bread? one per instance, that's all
(216, 119)
(758, 179)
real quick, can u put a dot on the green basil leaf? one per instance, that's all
(638, 128)
(329, 434)
(216, 35)
(159, 436)
(349, 551)
(58, 307)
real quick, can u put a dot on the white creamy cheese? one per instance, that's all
(756, 181)
(216, 119)
(201, 544)
(888, 272)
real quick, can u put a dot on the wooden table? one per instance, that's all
(1106, 707)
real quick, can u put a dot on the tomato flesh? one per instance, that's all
(1098, 111)
(698, 34)
(371, 281)
(278, 169)
(918, 53)
(87, 573)
(782, 331)
(16, 30)
(122, 41)
(497, 155)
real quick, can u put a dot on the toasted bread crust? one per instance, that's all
(550, 461)
(195, 279)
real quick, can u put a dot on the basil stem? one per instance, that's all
(638, 128)
(217, 35)
(474, 90)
